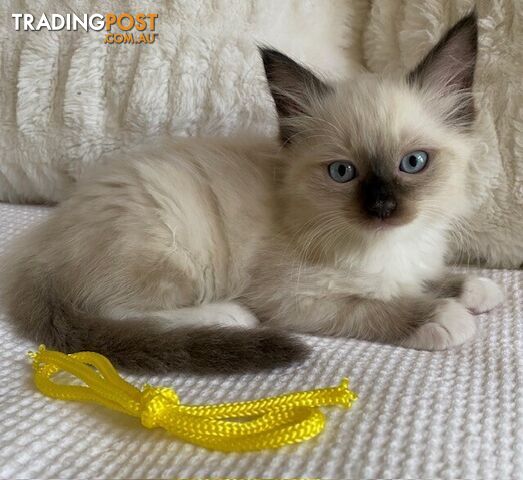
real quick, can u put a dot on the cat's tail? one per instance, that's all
(139, 345)
(147, 345)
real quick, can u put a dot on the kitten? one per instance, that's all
(169, 256)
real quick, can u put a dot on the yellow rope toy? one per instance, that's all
(228, 427)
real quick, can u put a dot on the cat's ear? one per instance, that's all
(449, 66)
(293, 87)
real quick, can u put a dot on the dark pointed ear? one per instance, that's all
(292, 87)
(449, 66)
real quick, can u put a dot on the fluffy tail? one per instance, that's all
(139, 346)
(146, 345)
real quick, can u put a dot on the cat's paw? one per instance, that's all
(231, 314)
(481, 294)
(451, 325)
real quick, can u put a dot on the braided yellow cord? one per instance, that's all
(229, 427)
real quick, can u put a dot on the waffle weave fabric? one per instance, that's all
(454, 414)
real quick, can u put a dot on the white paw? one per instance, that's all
(231, 314)
(452, 325)
(481, 294)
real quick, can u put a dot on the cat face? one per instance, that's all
(377, 153)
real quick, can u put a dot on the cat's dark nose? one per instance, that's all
(378, 198)
(382, 207)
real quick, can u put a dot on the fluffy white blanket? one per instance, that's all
(66, 99)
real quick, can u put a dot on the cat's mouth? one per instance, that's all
(381, 216)
(388, 223)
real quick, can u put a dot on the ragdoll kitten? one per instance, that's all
(170, 256)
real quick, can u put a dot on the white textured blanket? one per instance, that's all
(454, 414)
(66, 99)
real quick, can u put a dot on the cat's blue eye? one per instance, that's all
(414, 162)
(342, 172)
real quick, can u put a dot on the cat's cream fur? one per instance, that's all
(191, 234)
